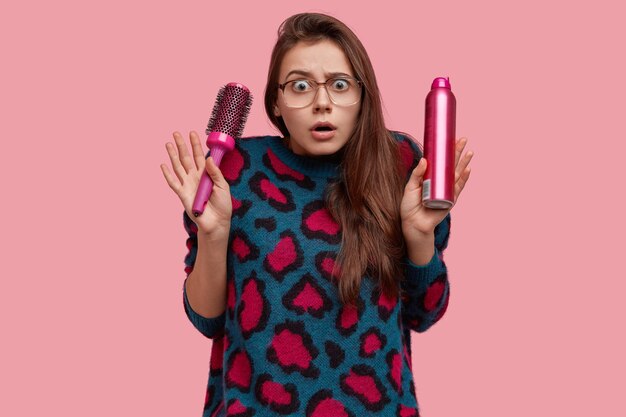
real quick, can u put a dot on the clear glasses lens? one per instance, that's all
(342, 92)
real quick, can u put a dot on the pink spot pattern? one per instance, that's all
(284, 321)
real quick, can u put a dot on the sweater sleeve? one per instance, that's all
(209, 327)
(425, 288)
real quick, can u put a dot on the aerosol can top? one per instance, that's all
(441, 82)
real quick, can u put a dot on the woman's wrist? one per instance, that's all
(420, 248)
(219, 236)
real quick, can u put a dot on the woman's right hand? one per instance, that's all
(214, 222)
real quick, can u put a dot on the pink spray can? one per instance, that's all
(439, 146)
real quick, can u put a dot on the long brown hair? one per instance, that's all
(365, 200)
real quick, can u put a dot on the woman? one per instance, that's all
(314, 256)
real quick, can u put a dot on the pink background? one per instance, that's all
(93, 242)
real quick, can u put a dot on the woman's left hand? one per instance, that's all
(419, 220)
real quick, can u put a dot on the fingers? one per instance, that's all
(198, 153)
(182, 163)
(216, 175)
(415, 180)
(462, 170)
(185, 159)
(460, 184)
(460, 145)
(463, 166)
(169, 177)
(462, 163)
(176, 165)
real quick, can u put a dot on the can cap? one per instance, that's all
(441, 82)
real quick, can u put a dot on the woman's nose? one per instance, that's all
(322, 99)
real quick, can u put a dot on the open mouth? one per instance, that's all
(323, 130)
(323, 127)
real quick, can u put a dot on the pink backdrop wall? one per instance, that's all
(92, 237)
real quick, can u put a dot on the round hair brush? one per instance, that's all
(230, 112)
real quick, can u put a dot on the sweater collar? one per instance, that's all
(316, 167)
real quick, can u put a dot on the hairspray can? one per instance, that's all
(439, 146)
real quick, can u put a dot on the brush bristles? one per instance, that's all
(218, 100)
(231, 110)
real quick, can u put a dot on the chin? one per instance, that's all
(323, 149)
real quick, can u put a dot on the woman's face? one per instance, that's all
(317, 61)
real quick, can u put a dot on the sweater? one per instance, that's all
(285, 344)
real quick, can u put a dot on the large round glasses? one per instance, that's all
(343, 91)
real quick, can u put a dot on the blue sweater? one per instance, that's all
(285, 345)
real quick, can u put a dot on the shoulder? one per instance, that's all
(256, 145)
(241, 158)
(250, 145)
(410, 150)
(407, 143)
(251, 142)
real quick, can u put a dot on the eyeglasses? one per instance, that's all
(343, 91)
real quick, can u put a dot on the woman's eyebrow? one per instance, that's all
(308, 73)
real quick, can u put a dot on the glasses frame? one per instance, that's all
(359, 83)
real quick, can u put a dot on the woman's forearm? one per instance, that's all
(206, 284)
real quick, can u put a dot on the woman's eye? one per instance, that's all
(340, 84)
(301, 85)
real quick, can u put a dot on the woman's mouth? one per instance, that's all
(323, 131)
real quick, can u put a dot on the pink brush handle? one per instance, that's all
(219, 143)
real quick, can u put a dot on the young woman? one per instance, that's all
(314, 257)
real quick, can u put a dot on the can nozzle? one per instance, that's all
(441, 82)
